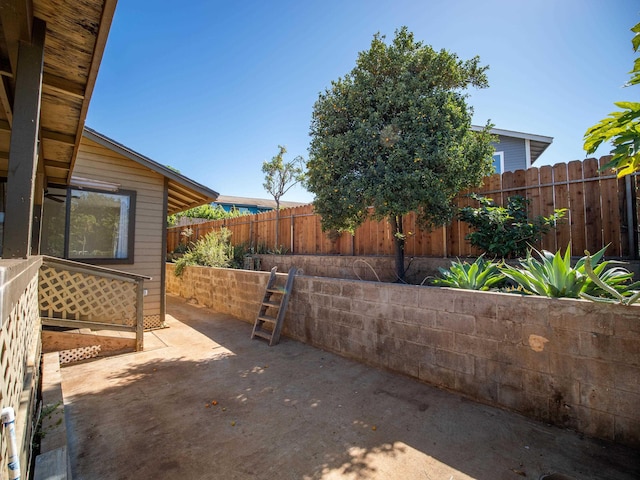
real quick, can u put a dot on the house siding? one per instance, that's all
(99, 163)
(515, 157)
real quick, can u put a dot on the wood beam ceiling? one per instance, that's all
(54, 84)
(17, 18)
(6, 100)
(57, 137)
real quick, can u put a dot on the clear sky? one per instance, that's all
(213, 87)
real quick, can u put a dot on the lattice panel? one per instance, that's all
(81, 296)
(152, 321)
(77, 354)
(18, 335)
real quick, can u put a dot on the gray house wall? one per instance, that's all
(515, 156)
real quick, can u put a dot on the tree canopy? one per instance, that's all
(395, 134)
(206, 211)
(279, 177)
(621, 127)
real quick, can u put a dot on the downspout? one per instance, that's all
(13, 462)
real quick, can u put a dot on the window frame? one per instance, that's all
(501, 155)
(130, 258)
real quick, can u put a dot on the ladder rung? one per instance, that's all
(271, 304)
(281, 291)
(263, 334)
(266, 318)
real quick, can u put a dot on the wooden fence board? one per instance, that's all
(547, 205)
(508, 182)
(576, 201)
(532, 180)
(610, 209)
(519, 180)
(593, 213)
(561, 195)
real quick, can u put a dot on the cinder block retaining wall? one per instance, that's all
(374, 268)
(572, 363)
(363, 267)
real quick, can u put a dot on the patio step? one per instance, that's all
(275, 300)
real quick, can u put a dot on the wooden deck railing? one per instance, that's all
(78, 295)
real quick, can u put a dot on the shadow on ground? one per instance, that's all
(213, 404)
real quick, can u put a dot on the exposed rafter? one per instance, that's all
(77, 31)
(101, 40)
(6, 100)
(55, 164)
(54, 84)
(17, 18)
(58, 137)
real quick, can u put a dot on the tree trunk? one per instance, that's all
(276, 246)
(398, 243)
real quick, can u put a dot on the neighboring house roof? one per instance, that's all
(538, 143)
(254, 202)
(76, 34)
(183, 194)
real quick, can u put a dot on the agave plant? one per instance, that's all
(479, 275)
(553, 275)
(618, 292)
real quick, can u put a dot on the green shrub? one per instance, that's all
(212, 250)
(553, 275)
(208, 212)
(239, 252)
(506, 232)
(480, 275)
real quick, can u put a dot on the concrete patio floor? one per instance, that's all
(203, 401)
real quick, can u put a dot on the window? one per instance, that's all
(498, 162)
(88, 225)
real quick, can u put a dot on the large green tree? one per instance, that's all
(621, 127)
(395, 134)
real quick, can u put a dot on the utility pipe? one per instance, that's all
(9, 421)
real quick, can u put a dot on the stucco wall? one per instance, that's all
(572, 363)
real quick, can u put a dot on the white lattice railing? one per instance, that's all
(77, 295)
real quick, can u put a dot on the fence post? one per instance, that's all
(444, 241)
(292, 231)
(139, 315)
(631, 227)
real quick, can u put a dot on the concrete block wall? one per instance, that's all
(234, 292)
(572, 363)
(372, 268)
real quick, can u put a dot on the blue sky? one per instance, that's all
(213, 87)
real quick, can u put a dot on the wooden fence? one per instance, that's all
(601, 210)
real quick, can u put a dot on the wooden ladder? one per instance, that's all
(273, 308)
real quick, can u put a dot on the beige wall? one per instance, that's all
(572, 363)
(99, 163)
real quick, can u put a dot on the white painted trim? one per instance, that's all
(527, 153)
(514, 134)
